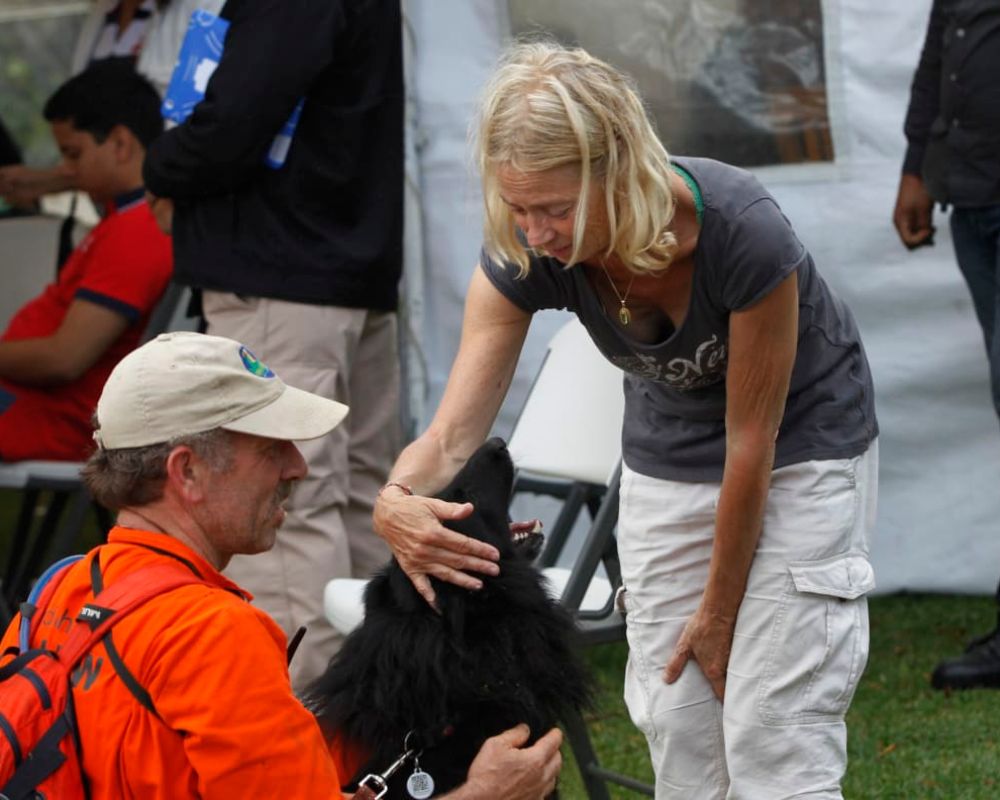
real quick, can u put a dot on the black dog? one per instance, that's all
(442, 683)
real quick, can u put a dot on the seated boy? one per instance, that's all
(59, 348)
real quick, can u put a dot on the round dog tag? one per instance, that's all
(420, 785)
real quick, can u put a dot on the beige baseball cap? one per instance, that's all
(183, 383)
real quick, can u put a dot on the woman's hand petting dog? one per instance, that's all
(506, 770)
(424, 548)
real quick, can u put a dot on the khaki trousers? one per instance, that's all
(346, 354)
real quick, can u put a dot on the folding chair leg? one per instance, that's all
(63, 540)
(586, 758)
(595, 777)
(6, 612)
(29, 561)
(556, 538)
(590, 556)
(22, 535)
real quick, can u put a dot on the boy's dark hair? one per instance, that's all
(109, 92)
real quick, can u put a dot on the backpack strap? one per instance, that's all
(135, 688)
(33, 771)
(112, 605)
(117, 662)
(40, 595)
(108, 607)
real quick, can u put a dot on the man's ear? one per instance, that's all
(126, 145)
(186, 473)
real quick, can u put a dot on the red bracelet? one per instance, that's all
(402, 486)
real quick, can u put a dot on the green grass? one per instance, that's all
(906, 741)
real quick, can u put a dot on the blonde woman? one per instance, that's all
(748, 486)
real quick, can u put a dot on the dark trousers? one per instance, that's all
(976, 234)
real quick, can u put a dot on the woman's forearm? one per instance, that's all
(427, 464)
(739, 519)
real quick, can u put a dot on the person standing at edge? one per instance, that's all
(302, 263)
(953, 158)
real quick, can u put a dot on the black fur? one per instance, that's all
(491, 659)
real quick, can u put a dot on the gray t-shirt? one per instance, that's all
(675, 390)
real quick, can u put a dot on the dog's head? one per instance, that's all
(486, 481)
(481, 661)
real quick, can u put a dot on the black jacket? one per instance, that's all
(326, 228)
(953, 122)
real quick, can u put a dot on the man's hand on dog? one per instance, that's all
(424, 547)
(707, 639)
(505, 769)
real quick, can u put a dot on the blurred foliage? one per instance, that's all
(35, 56)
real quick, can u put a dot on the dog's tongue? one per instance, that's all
(528, 526)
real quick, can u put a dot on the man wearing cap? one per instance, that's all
(189, 696)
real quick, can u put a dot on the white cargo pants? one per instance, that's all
(801, 638)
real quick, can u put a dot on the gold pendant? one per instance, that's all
(624, 316)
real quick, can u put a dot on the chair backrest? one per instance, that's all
(168, 314)
(571, 422)
(566, 444)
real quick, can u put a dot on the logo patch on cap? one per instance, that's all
(251, 362)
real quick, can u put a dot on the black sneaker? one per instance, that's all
(977, 668)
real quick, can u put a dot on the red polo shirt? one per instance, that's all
(123, 264)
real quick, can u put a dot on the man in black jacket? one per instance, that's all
(953, 158)
(302, 262)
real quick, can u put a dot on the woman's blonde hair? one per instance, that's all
(549, 106)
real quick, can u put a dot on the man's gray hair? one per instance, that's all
(135, 476)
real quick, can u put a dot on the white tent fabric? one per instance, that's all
(940, 460)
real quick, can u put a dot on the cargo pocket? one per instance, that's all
(819, 641)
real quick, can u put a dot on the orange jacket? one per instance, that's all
(214, 667)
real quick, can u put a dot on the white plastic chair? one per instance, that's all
(343, 598)
(566, 443)
(570, 426)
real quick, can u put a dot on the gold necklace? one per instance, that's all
(624, 315)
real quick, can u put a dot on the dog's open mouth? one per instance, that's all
(527, 537)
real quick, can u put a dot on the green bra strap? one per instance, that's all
(699, 203)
